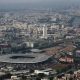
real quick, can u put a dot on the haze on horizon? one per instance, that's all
(37, 3)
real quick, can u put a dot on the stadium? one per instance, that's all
(28, 60)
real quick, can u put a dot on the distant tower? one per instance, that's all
(62, 26)
(45, 31)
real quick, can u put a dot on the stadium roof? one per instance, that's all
(24, 58)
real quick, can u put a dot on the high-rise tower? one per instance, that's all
(45, 31)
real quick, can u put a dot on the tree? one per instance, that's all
(23, 77)
(50, 78)
(41, 75)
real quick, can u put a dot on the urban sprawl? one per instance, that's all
(39, 45)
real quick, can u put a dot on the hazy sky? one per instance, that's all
(37, 3)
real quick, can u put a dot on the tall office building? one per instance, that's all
(45, 31)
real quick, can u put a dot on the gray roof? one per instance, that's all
(37, 58)
(36, 50)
